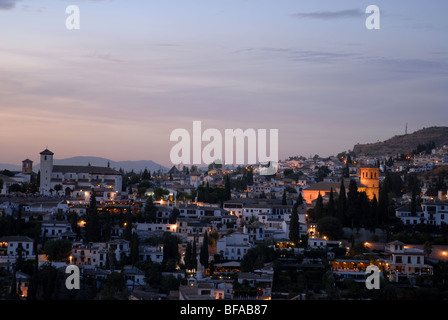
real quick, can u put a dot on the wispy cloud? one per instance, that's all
(295, 54)
(107, 57)
(8, 4)
(330, 15)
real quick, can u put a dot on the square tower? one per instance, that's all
(27, 166)
(46, 169)
(369, 179)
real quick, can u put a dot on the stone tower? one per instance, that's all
(46, 169)
(27, 166)
(369, 178)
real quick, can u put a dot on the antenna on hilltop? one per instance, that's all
(406, 130)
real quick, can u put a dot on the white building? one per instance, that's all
(150, 253)
(255, 232)
(233, 246)
(430, 212)
(75, 178)
(141, 227)
(195, 211)
(92, 254)
(13, 246)
(435, 212)
(6, 183)
(406, 262)
(317, 243)
(192, 229)
(55, 229)
(407, 217)
(134, 277)
(119, 247)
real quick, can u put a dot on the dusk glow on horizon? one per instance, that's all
(135, 71)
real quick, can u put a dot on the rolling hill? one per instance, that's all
(404, 144)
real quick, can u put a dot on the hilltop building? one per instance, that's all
(76, 179)
(369, 181)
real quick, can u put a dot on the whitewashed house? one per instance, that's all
(233, 246)
(404, 262)
(55, 229)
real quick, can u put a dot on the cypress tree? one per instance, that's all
(374, 212)
(150, 211)
(250, 177)
(207, 193)
(107, 228)
(342, 203)
(227, 189)
(363, 215)
(203, 256)
(145, 174)
(284, 202)
(346, 171)
(294, 224)
(93, 226)
(187, 257)
(353, 205)
(383, 203)
(319, 208)
(134, 249)
(194, 255)
(300, 199)
(331, 206)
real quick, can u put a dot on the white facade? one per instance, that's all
(233, 246)
(142, 227)
(317, 243)
(435, 212)
(431, 212)
(92, 254)
(11, 246)
(150, 253)
(75, 180)
(55, 229)
(46, 170)
(406, 262)
(195, 211)
(255, 232)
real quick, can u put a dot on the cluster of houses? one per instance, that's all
(270, 220)
(257, 215)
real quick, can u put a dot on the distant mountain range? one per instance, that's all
(404, 144)
(127, 166)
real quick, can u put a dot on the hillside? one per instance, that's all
(406, 143)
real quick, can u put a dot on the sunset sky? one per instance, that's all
(136, 70)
